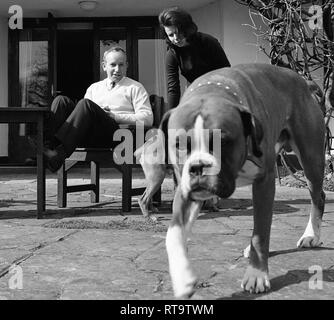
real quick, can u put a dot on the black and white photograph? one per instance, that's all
(166, 155)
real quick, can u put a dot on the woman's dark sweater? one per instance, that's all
(203, 54)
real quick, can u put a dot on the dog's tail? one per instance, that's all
(155, 141)
(146, 146)
(138, 153)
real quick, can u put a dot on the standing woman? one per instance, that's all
(193, 53)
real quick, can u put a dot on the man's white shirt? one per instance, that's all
(128, 100)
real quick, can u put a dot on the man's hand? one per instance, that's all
(110, 113)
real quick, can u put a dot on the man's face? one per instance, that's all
(115, 65)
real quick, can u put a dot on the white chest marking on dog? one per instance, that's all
(199, 135)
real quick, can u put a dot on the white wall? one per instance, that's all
(224, 20)
(239, 40)
(3, 84)
(209, 19)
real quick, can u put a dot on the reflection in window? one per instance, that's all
(33, 73)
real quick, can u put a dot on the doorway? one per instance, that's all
(75, 57)
(53, 56)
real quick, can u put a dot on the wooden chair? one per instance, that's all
(97, 156)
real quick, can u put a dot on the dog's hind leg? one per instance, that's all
(154, 176)
(184, 214)
(313, 166)
(313, 163)
(152, 159)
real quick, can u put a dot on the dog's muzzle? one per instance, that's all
(199, 176)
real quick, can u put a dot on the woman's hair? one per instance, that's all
(178, 18)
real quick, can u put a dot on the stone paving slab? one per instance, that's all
(95, 251)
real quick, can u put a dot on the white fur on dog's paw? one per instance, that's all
(309, 241)
(255, 281)
(246, 252)
(311, 236)
(186, 288)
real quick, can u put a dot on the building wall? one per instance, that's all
(3, 84)
(224, 20)
(209, 20)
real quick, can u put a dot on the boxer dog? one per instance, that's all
(154, 162)
(233, 122)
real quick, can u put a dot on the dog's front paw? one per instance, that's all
(186, 288)
(311, 235)
(255, 280)
(309, 241)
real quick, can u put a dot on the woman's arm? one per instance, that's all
(219, 58)
(173, 80)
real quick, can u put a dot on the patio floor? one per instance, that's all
(95, 251)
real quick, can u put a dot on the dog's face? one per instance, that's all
(207, 146)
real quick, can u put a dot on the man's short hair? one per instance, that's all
(114, 49)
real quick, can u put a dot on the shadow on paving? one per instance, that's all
(227, 207)
(292, 277)
(244, 207)
(105, 208)
(60, 213)
(279, 252)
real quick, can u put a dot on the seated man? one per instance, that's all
(93, 121)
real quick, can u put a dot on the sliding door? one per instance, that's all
(29, 59)
(55, 56)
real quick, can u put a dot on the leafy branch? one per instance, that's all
(300, 37)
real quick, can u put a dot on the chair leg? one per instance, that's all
(62, 185)
(126, 188)
(95, 180)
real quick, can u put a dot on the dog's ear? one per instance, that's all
(252, 128)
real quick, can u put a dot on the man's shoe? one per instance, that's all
(54, 158)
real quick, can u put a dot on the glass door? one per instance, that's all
(151, 69)
(54, 56)
(74, 59)
(31, 89)
(33, 69)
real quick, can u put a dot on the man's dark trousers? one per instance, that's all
(82, 125)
